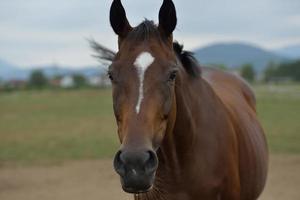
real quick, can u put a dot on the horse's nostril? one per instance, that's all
(119, 164)
(122, 157)
(152, 162)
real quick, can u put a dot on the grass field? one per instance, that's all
(52, 126)
(279, 110)
(56, 125)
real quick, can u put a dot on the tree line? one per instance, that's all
(287, 71)
(274, 72)
(38, 80)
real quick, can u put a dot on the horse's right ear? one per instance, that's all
(118, 19)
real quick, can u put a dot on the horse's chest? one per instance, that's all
(179, 196)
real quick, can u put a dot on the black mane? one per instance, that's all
(188, 60)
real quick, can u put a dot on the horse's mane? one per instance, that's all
(189, 62)
(143, 32)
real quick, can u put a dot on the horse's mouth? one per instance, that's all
(137, 185)
(135, 191)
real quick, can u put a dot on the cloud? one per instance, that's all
(41, 31)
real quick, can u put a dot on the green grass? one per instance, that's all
(52, 126)
(56, 125)
(279, 110)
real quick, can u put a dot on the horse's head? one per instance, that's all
(143, 77)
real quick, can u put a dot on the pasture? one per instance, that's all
(56, 125)
(79, 124)
(59, 139)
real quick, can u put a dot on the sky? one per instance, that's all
(40, 32)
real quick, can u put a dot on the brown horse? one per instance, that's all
(187, 132)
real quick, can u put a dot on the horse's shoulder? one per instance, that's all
(229, 86)
(239, 100)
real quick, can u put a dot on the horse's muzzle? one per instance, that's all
(136, 169)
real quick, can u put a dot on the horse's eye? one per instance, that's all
(172, 76)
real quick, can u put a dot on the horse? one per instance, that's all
(187, 132)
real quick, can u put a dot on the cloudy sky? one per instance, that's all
(38, 32)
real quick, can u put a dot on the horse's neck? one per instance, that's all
(193, 97)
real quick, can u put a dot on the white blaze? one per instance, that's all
(142, 62)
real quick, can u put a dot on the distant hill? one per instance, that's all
(53, 70)
(290, 51)
(234, 55)
(5, 66)
(9, 71)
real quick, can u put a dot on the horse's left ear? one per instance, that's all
(167, 18)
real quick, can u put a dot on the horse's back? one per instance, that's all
(239, 101)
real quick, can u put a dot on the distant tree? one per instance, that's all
(79, 80)
(270, 72)
(248, 72)
(289, 70)
(1, 85)
(38, 79)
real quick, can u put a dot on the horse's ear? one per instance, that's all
(118, 19)
(167, 18)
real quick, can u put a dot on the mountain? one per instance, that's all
(53, 70)
(9, 71)
(5, 66)
(290, 51)
(234, 55)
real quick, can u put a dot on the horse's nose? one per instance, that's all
(135, 162)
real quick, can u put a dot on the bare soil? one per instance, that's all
(96, 180)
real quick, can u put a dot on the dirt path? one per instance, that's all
(95, 180)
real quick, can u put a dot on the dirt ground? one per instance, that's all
(96, 180)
